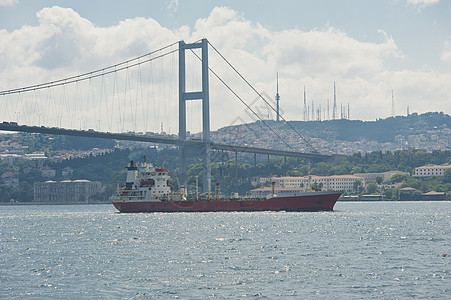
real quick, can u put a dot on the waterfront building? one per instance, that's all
(343, 183)
(434, 196)
(431, 170)
(65, 191)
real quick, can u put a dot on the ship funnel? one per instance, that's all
(132, 171)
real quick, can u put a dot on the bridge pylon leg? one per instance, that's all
(186, 96)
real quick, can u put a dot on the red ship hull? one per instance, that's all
(317, 201)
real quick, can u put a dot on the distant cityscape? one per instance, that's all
(255, 134)
(439, 139)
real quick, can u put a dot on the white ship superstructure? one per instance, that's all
(146, 183)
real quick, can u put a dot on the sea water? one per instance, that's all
(361, 250)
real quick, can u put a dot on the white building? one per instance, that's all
(262, 192)
(35, 156)
(335, 182)
(260, 180)
(431, 170)
(67, 172)
(10, 157)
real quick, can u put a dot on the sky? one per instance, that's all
(371, 49)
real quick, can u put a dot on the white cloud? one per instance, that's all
(173, 5)
(64, 43)
(328, 51)
(420, 4)
(8, 2)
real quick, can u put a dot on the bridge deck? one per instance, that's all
(5, 126)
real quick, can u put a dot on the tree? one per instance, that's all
(357, 186)
(371, 187)
(321, 168)
(447, 176)
(24, 193)
(388, 193)
(398, 178)
(5, 193)
(416, 196)
(379, 180)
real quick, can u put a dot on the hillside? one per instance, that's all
(382, 130)
(429, 131)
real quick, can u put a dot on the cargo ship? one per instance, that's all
(147, 190)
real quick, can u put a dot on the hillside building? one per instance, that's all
(386, 176)
(431, 170)
(48, 172)
(10, 157)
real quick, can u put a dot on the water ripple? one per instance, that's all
(362, 250)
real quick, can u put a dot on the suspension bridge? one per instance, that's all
(131, 95)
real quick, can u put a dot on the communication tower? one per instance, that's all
(392, 105)
(305, 105)
(277, 99)
(334, 110)
(328, 113)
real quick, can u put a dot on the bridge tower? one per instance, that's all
(184, 148)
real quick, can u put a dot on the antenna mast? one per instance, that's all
(392, 105)
(334, 110)
(305, 105)
(277, 99)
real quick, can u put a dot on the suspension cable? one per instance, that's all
(92, 74)
(242, 101)
(259, 95)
